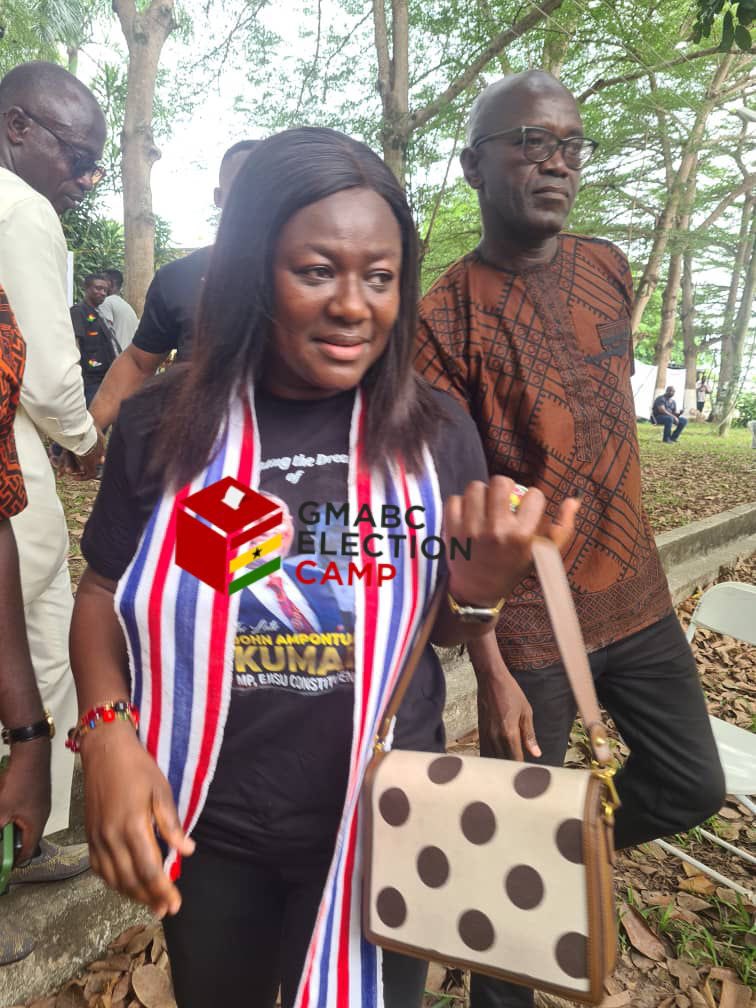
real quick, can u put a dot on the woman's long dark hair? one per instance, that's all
(280, 176)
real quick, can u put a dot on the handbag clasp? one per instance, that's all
(610, 800)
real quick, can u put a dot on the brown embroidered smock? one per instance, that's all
(542, 361)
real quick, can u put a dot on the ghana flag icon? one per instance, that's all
(228, 535)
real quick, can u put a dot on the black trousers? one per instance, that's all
(243, 929)
(672, 779)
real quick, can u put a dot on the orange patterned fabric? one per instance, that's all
(542, 360)
(12, 359)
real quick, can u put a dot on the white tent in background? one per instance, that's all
(644, 385)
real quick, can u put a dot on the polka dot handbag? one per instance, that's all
(491, 864)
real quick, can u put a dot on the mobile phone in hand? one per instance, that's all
(11, 845)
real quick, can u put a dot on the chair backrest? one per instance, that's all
(727, 608)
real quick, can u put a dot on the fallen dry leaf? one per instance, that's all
(693, 903)
(734, 995)
(125, 937)
(71, 997)
(700, 884)
(141, 940)
(640, 934)
(723, 973)
(152, 986)
(683, 972)
(697, 999)
(121, 989)
(617, 1000)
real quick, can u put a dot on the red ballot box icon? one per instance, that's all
(227, 535)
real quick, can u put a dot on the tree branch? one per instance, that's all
(745, 186)
(420, 117)
(381, 48)
(307, 77)
(605, 82)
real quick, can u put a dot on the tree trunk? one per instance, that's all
(738, 337)
(665, 224)
(668, 319)
(726, 360)
(687, 320)
(145, 33)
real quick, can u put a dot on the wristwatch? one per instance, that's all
(41, 729)
(474, 614)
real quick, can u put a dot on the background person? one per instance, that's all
(96, 341)
(51, 136)
(304, 345)
(25, 784)
(666, 415)
(531, 334)
(170, 309)
(702, 390)
(117, 312)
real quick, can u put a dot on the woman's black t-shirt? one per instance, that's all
(280, 781)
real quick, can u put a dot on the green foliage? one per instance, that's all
(745, 406)
(98, 243)
(738, 17)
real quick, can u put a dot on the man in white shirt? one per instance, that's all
(51, 134)
(117, 312)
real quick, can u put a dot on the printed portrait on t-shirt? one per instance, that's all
(295, 630)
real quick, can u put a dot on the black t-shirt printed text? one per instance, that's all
(281, 776)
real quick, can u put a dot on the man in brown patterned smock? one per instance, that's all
(531, 333)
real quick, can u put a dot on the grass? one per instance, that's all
(697, 477)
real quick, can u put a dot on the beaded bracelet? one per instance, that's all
(106, 713)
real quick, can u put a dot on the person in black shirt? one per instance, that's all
(303, 362)
(169, 311)
(665, 414)
(93, 335)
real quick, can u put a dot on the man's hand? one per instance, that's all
(25, 792)
(83, 467)
(505, 718)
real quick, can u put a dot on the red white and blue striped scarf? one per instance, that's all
(180, 636)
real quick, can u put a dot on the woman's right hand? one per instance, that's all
(127, 799)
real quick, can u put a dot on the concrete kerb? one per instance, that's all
(74, 921)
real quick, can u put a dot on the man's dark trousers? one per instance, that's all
(672, 779)
(668, 422)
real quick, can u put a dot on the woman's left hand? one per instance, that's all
(500, 538)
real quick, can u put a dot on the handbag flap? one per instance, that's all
(447, 873)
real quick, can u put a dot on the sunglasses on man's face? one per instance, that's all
(82, 164)
(539, 144)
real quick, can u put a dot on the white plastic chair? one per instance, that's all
(728, 608)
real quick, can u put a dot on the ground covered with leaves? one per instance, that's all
(698, 476)
(685, 941)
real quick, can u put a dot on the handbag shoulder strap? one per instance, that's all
(564, 622)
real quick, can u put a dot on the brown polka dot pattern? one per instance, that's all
(524, 886)
(444, 769)
(532, 781)
(391, 907)
(572, 955)
(506, 899)
(476, 930)
(394, 806)
(478, 823)
(433, 866)
(569, 840)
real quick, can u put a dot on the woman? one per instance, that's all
(301, 386)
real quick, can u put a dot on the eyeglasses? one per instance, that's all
(539, 144)
(83, 165)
